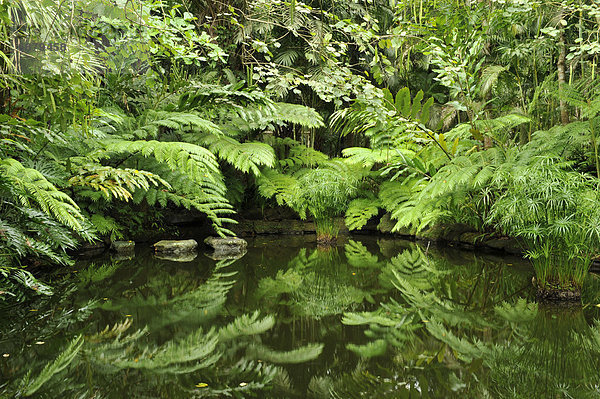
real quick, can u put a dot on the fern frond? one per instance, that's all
(352, 121)
(298, 115)
(282, 187)
(94, 274)
(249, 156)
(368, 157)
(114, 182)
(30, 186)
(301, 155)
(246, 325)
(53, 236)
(489, 78)
(59, 364)
(28, 280)
(298, 355)
(186, 355)
(180, 121)
(360, 211)
(189, 158)
(105, 225)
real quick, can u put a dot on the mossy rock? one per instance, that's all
(453, 232)
(225, 247)
(497, 243)
(471, 238)
(175, 246)
(433, 233)
(122, 246)
(282, 227)
(505, 244)
(386, 226)
(244, 227)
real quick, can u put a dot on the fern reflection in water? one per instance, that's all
(162, 332)
(467, 336)
(370, 318)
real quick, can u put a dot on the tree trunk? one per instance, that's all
(562, 55)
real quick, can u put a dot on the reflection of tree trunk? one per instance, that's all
(562, 53)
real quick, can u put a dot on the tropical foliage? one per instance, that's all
(116, 116)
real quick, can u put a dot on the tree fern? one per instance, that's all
(301, 156)
(498, 128)
(196, 166)
(182, 120)
(151, 123)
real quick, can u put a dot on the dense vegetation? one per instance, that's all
(480, 113)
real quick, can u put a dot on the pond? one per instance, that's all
(373, 317)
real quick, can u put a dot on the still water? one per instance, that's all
(369, 318)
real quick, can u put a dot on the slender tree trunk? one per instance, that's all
(562, 55)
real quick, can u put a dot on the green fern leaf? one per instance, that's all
(360, 211)
(59, 364)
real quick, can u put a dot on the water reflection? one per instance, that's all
(369, 318)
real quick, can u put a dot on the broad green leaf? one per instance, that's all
(424, 118)
(403, 102)
(416, 105)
